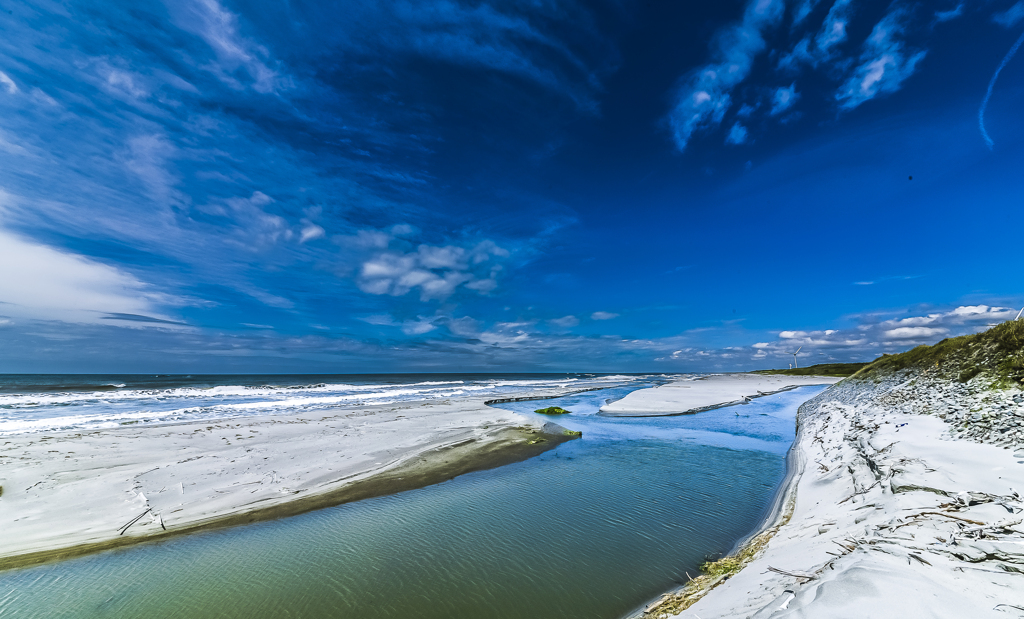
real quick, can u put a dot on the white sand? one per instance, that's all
(69, 493)
(880, 522)
(695, 395)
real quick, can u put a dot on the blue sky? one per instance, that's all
(211, 186)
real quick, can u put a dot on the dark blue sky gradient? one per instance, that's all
(212, 186)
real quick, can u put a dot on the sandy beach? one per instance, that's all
(70, 493)
(894, 510)
(705, 393)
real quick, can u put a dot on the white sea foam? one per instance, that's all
(68, 410)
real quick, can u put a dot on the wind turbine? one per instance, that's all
(1018, 314)
(797, 365)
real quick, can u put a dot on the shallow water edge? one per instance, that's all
(429, 468)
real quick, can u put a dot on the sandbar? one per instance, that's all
(64, 494)
(703, 393)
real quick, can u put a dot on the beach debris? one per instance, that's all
(651, 607)
(794, 574)
(789, 598)
(133, 521)
(999, 607)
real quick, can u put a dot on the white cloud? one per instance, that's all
(42, 282)
(876, 335)
(884, 64)
(737, 134)
(409, 327)
(436, 271)
(1010, 16)
(219, 28)
(944, 16)
(8, 83)
(803, 10)
(783, 99)
(914, 333)
(147, 158)
(705, 96)
(833, 29)
(565, 322)
(418, 326)
(603, 315)
(257, 226)
(823, 47)
(310, 232)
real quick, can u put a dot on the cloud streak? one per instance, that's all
(988, 92)
(885, 64)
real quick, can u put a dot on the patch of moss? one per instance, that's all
(725, 566)
(572, 432)
(821, 369)
(552, 410)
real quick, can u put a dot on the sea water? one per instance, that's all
(591, 529)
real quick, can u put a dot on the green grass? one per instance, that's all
(822, 369)
(998, 352)
(727, 566)
(552, 410)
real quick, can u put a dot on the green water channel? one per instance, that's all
(589, 530)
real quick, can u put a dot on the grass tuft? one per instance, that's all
(725, 566)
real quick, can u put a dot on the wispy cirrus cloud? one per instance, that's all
(951, 14)
(519, 40)
(815, 49)
(8, 83)
(706, 94)
(784, 98)
(234, 53)
(884, 63)
(1011, 16)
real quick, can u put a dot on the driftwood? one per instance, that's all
(997, 525)
(806, 575)
(968, 520)
(917, 557)
(133, 521)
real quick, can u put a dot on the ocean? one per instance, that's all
(54, 402)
